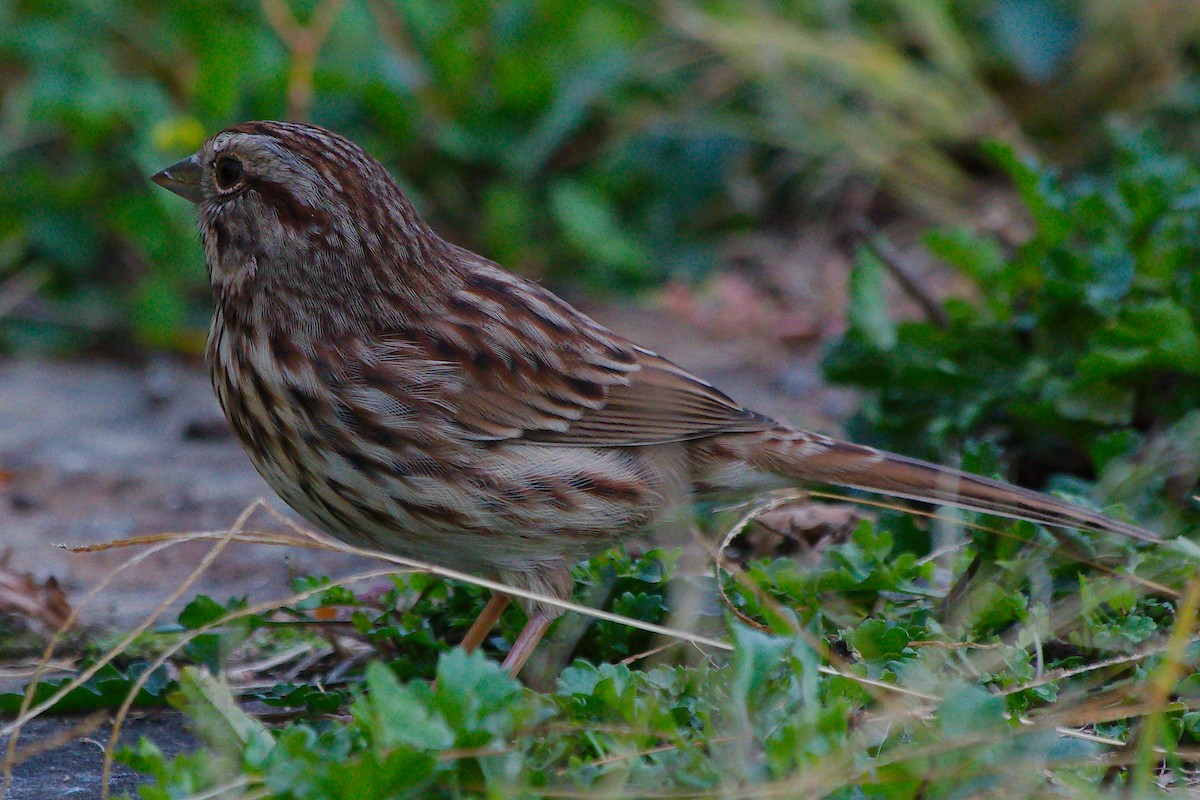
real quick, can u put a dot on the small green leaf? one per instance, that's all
(205, 650)
(217, 719)
(201, 612)
(1156, 334)
(757, 656)
(978, 257)
(593, 228)
(399, 714)
(877, 640)
(868, 303)
(1095, 401)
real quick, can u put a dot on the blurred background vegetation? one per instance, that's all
(608, 146)
(613, 147)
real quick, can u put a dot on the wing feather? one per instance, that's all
(524, 365)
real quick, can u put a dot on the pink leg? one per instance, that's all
(525, 644)
(486, 620)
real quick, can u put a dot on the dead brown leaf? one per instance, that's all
(802, 530)
(22, 596)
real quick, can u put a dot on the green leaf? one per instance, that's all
(200, 612)
(205, 650)
(399, 714)
(1091, 400)
(1037, 36)
(868, 314)
(978, 257)
(1156, 334)
(877, 640)
(1038, 190)
(398, 774)
(471, 689)
(1107, 448)
(592, 226)
(757, 656)
(218, 720)
(108, 688)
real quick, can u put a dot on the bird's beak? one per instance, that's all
(182, 178)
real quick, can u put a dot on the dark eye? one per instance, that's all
(228, 171)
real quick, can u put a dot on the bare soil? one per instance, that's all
(74, 770)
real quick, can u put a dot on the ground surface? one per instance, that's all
(74, 770)
(92, 452)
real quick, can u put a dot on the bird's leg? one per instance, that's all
(525, 644)
(486, 620)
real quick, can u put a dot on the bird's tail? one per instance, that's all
(814, 458)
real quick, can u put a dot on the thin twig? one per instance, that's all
(1057, 675)
(19, 288)
(897, 264)
(304, 43)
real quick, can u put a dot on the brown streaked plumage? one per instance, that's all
(406, 394)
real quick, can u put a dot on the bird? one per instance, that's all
(405, 394)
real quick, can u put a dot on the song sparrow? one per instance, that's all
(408, 395)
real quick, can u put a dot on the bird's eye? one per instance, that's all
(228, 172)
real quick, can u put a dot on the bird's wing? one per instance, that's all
(660, 403)
(513, 361)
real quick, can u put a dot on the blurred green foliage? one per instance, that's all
(1080, 353)
(608, 144)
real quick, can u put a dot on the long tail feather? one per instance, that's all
(814, 458)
